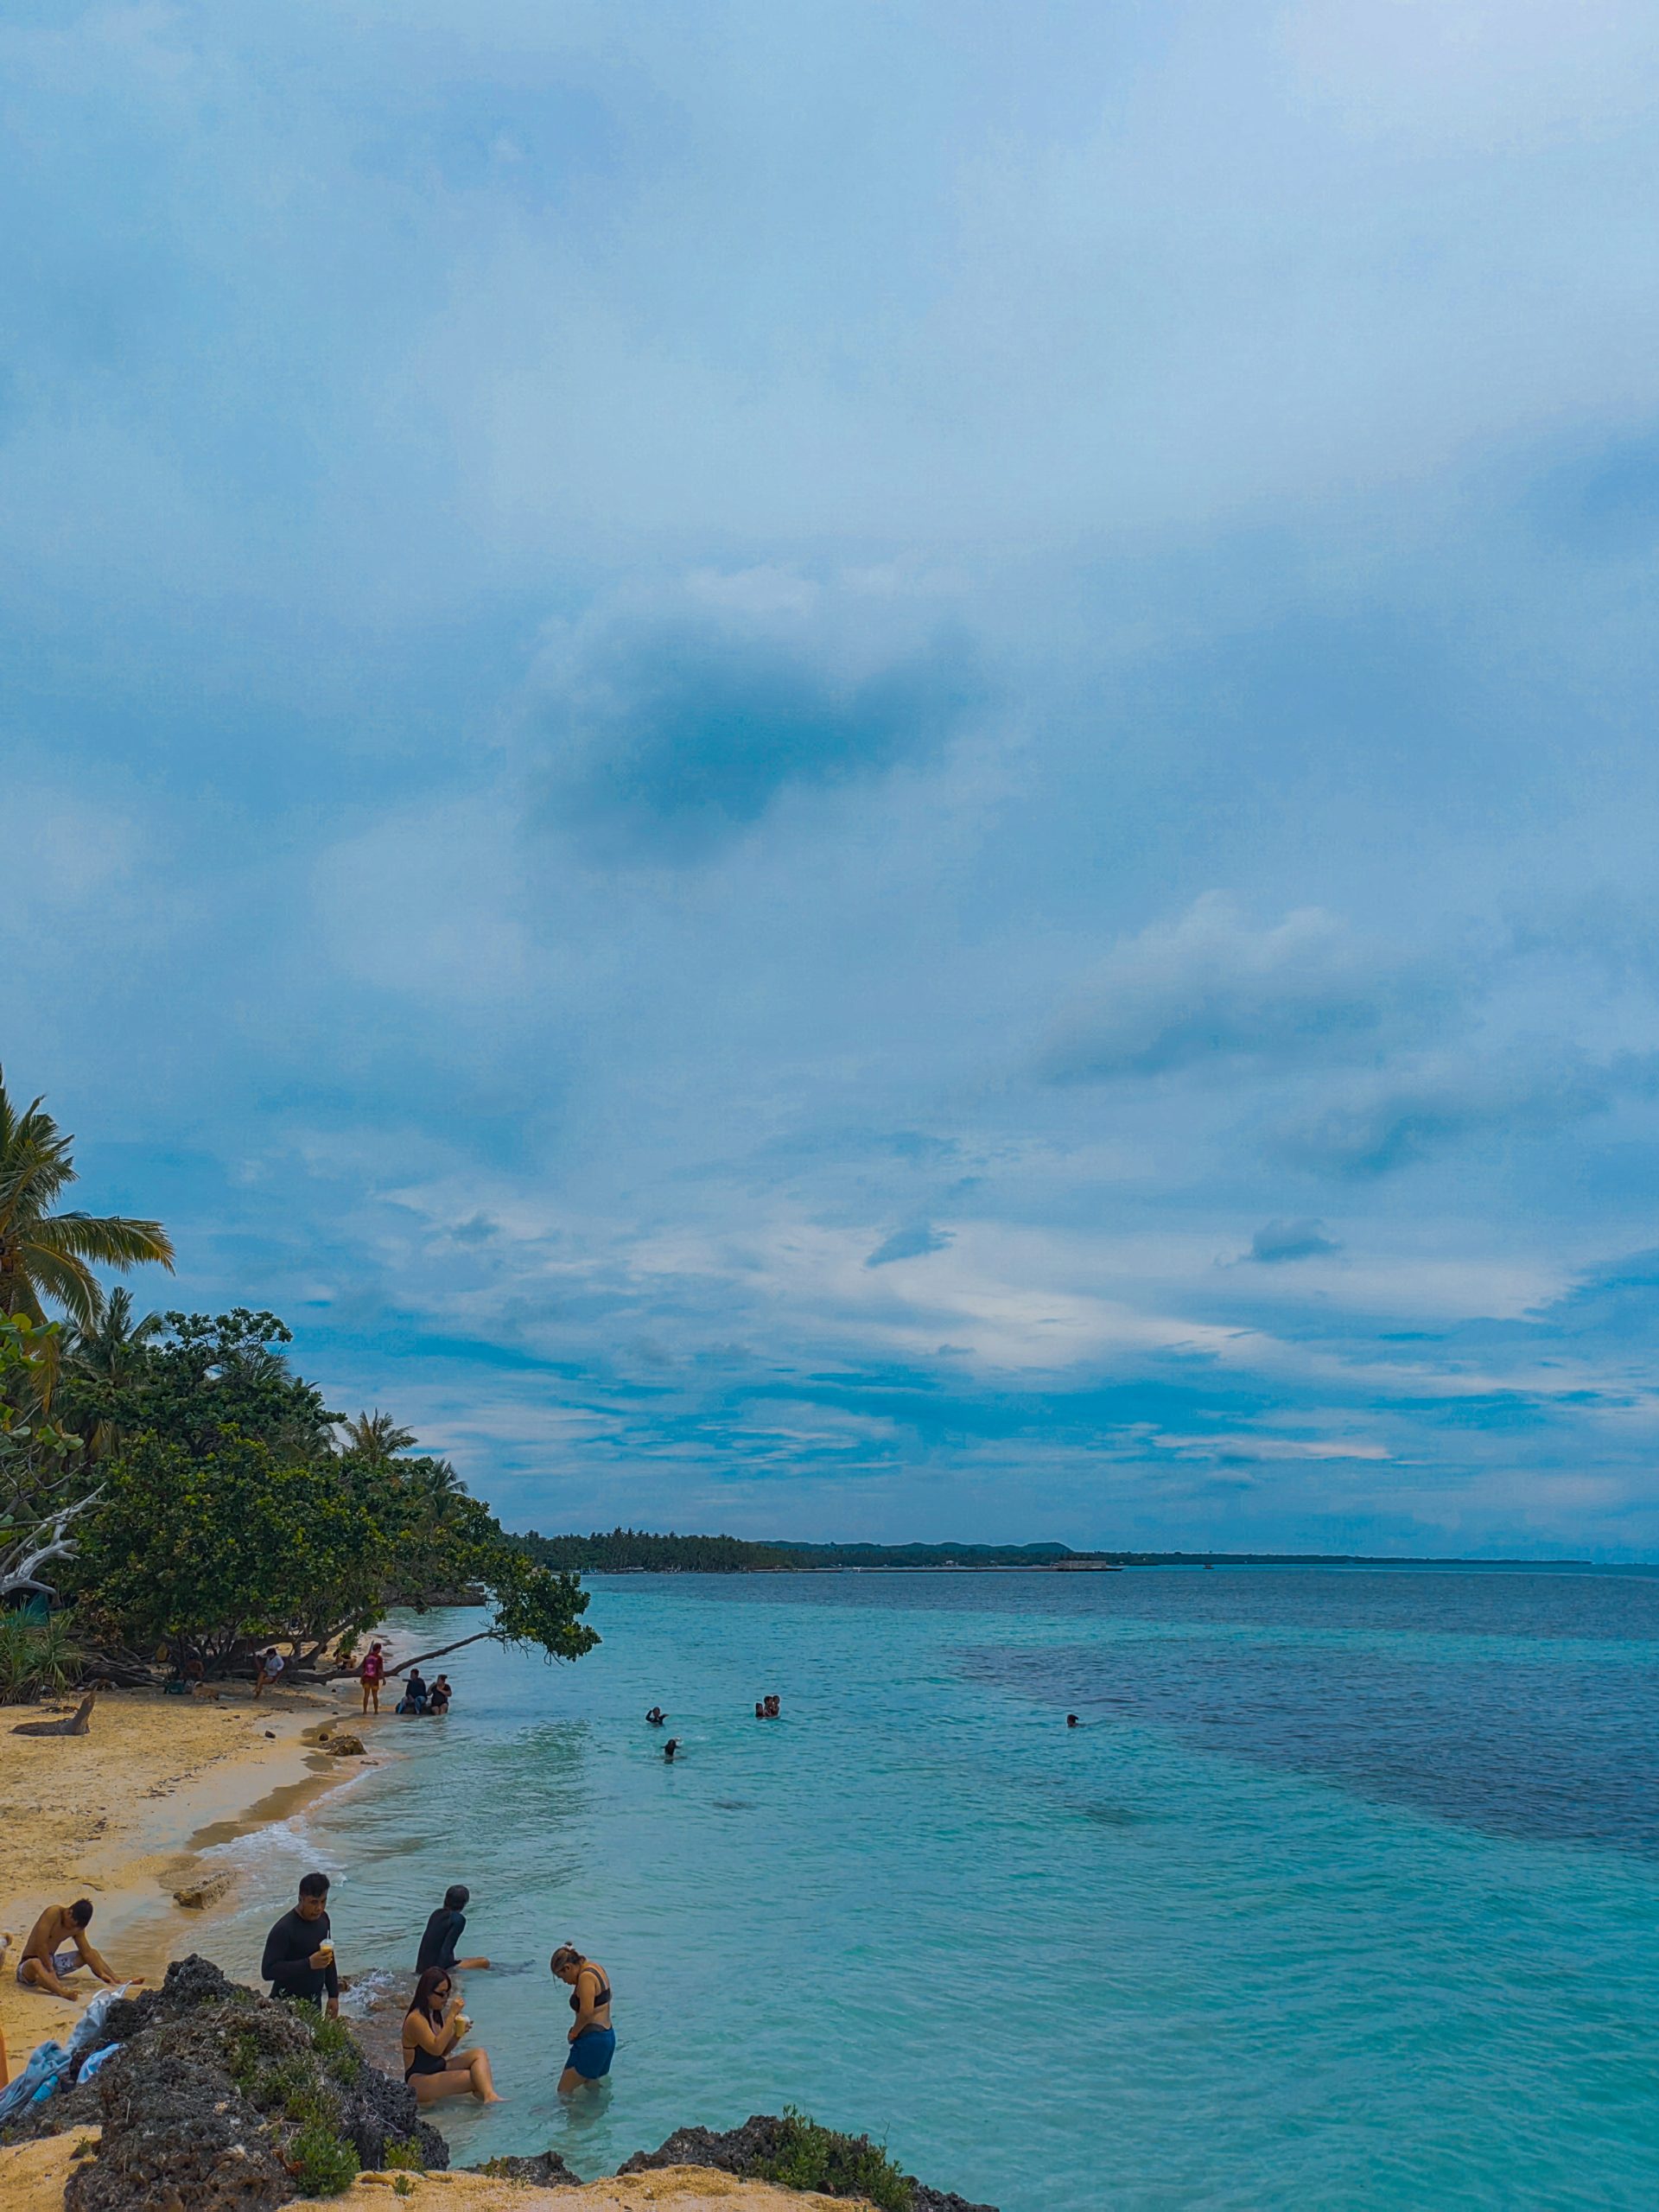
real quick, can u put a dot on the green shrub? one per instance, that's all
(275, 2084)
(810, 2156)
(312, 2106)
(323, 2165)
(336, 2046)
(406, 2157)
(36, 1658)
(241, 2062)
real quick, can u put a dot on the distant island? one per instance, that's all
(633, 1551)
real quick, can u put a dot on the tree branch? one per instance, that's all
(442, 1652)
(17, 1566)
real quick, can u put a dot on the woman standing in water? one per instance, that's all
(592, 2040)
(432, 2026)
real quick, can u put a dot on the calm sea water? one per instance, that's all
(1346, 1893)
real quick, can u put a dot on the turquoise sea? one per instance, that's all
(1345, 1894)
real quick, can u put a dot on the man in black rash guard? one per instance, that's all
(444, 1930)
(299, 1958)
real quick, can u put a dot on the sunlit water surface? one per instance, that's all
(1346, 1893)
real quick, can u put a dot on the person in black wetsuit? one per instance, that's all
(432, 2026)
(444, 1930)
(299, 1958)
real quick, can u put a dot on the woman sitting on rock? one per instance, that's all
(432, 2026)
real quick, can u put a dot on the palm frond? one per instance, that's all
(112, 1239)
(66, 1278)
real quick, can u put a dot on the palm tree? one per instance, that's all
(45, 1254)
(111, 1350)
(377, 1438)
(110, 1354)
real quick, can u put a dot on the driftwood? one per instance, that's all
(79, 1722)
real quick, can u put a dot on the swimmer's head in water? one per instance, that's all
(1071, 1720)
(81, 1911)
(456, 1897)
(566, 1961)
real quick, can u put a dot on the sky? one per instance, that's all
(863, 771)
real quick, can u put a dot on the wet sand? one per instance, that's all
(121, 1816)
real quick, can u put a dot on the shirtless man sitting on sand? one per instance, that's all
(44, 1965)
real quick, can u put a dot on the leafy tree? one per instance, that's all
(45, 1254)
(218, 1551)
(212, 1375)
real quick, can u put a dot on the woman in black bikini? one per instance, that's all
(592, 2040)
(432, 2026)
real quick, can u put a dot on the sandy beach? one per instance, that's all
(32, 2179)
(120, 1815)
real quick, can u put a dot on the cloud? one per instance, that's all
(1211, 986)
(1276, 1241)
(912, 1243)
(662, 728)
(1396, 1123)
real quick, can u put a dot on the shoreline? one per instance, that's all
(125, 1815)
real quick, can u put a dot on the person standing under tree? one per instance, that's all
(372, 1673)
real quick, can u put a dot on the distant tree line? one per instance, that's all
(632, 1550)
(635, 1551)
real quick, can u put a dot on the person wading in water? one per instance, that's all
(592, 2040)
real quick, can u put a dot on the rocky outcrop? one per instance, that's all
(546, 2171)
(177, 2137)
(764, 2142)
(219, 2099)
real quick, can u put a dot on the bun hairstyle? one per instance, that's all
(566, 1956)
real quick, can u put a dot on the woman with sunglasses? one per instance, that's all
(432, 2026)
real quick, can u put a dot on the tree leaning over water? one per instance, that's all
(228, 1517)
(46, 1255)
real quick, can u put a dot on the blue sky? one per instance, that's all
(863, 770)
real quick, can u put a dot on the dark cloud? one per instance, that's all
(1400, 1122)
(1278, 1241)
(665, 733)
(911, 1243)
(1214, 986)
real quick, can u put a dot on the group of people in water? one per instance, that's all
(421, 1699)
(298, 1962)
(765, 1709)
